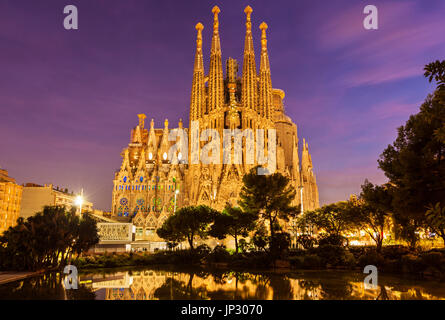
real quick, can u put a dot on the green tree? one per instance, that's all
(234, 222)
(269, 197)
(87, 234)
(46, 239)
(332, 219)
(371, 212)
(414, 163)
(187, 223)
(260, 238)
(435, 217)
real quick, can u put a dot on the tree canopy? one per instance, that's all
(187, 223)
(234, 222)
(268, 196)
(371, 212)
(415, 164)
(46, 239)
(330, 218)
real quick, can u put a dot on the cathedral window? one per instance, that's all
(125, 179)
(141, 179)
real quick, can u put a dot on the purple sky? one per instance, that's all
(68, 99)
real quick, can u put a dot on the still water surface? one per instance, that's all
(149, 284)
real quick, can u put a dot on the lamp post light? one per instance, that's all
(176, 193)
(79, 201)
(301, 199)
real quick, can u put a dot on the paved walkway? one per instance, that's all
(10, 276)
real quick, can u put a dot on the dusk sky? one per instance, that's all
(68, 99)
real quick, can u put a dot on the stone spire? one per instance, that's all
(197, 100)
(249, 77)
(265, 100)
(141, 118)
(305, 159)
(164, 146)
(216, 84)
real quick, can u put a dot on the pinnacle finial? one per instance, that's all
(215, 12)
(199, 27)
(248, 11)
(166, 123)
(263, 27)
(142, 117)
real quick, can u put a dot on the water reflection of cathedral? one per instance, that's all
(151, 182)
(166, 285)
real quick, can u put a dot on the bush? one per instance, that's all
(306, 241)
(312, 261)
(349, 259)
(203, 250)
(395, 252)
(296, 262)
(433, 259)
(412, 264)
(332, 239)
(219, 254)
(280, 243)
(331, 254)
(371, 257)
(245, 246)
(252, 260)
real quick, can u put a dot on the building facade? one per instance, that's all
(159, 171)
(10, 201)
(35, 197)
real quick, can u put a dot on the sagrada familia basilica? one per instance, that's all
(154, 180)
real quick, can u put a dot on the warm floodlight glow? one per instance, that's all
(177, 191)
(150, 156)
(179, 156)
(79, 200)
(165, 156)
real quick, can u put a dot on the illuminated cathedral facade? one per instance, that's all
(158, 175)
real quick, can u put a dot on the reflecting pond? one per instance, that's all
(152, 284)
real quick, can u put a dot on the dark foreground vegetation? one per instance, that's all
(391, 260)
(46, 240)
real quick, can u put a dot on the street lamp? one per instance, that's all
(301, 199)
(79, 201)
(176, 193)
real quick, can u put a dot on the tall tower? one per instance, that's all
(216, 84)
(265, 90)
(197, 100)
(249, 76)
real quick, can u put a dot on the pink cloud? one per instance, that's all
(397, 50)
